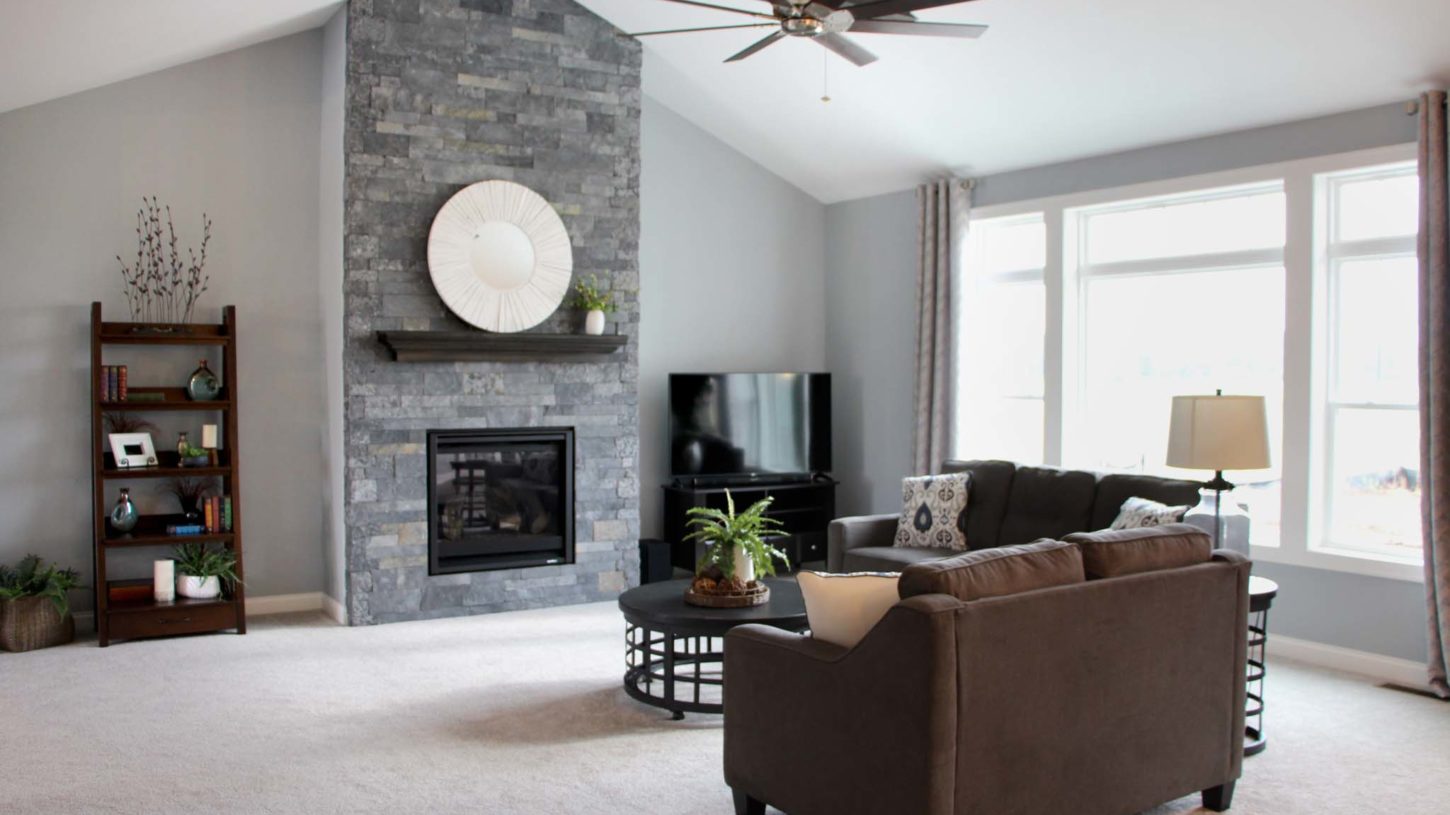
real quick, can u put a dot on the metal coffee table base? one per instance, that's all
(672, 671)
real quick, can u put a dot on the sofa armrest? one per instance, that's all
(845, 534)
(803, 717)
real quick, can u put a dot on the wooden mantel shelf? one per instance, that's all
(482, 346)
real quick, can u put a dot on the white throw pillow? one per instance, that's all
(841, 608)
(934, 512)
(1140, 512)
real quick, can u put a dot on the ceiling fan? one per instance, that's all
(827, 21)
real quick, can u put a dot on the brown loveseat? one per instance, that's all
(1008, 504)
(1095, 696)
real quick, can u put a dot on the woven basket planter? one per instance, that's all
(33, 622)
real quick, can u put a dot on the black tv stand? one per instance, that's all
(741, 479)
(805, 505)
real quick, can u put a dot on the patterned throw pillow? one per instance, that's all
(934, 512)
(1140, 512)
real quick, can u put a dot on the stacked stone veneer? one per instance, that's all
(443, 93)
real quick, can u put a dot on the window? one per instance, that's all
(1178, 294)
(1082, 315)
(1371, 431)
(1002, 308)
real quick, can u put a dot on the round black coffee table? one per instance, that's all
(673, 650)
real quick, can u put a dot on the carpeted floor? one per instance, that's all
(521, 713)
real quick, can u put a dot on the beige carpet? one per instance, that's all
(520, 713)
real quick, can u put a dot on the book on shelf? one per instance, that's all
(208, 515)
(185, 529)
(227, 514)
(121, 383)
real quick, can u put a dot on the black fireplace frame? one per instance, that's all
(564, 436)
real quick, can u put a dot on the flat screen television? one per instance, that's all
(770, 425)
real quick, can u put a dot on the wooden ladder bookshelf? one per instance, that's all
(144, 617)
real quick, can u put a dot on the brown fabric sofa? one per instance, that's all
(1007, 505)
(1100, 697)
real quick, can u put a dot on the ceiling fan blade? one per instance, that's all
(853, 53)
(722, 8)
(707, 28)
(875, 9)
(772, 39)
(960, 30)
(819, 10)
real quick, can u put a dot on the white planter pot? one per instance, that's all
(198, 588)
(744, 566)
(594, 322)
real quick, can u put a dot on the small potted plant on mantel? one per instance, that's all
(738, 553)
(594, 303)
(34, 608)
(201, 571)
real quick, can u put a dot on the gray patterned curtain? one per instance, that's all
(1434, 252)
(944, 211)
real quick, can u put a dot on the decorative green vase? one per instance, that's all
(124, 516)
(203, 385)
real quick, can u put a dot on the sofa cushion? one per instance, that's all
(934, 511)
(1114, 489)
(1046, 502)
(1117, 552)
(996, 572)
(841, 608)
(888, 558)
(991, 483)
(1144, 512)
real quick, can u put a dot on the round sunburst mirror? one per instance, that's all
(499, 256)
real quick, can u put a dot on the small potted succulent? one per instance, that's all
(202, 571)
(595, 303)
(738, 552)
(34, 608)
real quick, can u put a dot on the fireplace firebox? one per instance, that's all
(500, 499)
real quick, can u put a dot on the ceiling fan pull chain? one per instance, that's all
(825, 76)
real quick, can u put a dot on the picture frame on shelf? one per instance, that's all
(133, 450)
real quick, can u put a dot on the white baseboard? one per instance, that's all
(334, 610)
(1375, 666)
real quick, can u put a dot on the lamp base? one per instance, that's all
(1222, 517)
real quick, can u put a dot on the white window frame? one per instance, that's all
(1304, 335)
(1329, 255)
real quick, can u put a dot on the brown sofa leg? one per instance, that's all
(1219, 799)
(745, 805)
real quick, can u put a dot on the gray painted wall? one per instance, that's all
(731, 274)
(331, 191)
(869, 291)
(237, 136)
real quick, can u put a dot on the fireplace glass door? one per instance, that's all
(500, 499)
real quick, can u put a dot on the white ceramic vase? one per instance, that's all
(198, 588)
(744, 566)
(594, 322)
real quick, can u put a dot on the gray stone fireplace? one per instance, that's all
(440, 94)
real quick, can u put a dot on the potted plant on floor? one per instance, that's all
(594, 303)
(202, 571)
(738, 552)
(34, 608)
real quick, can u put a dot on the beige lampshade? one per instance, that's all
(1218, 433)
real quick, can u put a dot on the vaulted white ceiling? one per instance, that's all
(1052, 80)
(52, 48)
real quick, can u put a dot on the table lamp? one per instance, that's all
(1218, 433)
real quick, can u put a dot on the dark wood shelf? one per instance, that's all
(142, 616)
(163, 334)
(167, 468)
(482, 346)
(151, 531)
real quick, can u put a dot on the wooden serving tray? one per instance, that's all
(759, 595)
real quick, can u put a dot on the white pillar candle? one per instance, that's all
(208, 436)
(163, 581)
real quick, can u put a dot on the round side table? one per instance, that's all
(1262, 592)
(674, 650)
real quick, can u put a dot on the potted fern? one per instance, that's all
(201, 571)
(738, 551)
(34, 608)
(594, 303)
